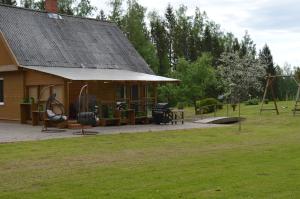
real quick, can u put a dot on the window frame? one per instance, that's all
(2, 102)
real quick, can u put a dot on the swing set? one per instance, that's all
(269, 87)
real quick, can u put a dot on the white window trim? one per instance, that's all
(2, 103)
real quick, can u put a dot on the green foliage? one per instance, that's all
(9, 2)
(159, 37)
(181, 105)
(253, 101)
(136, 31)
(84, 8)
(116, 13)
(208, 105)
(266, 58)
(287, 87)
(195, 78)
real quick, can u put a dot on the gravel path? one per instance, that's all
(14, 132)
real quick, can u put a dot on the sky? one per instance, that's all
(275, 22)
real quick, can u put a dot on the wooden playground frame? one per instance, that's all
(269, 86)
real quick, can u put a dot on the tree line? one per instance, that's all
(192, 48)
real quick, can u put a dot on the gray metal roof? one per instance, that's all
(100, 74)
(38, 40)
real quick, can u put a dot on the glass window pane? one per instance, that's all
(1, 91)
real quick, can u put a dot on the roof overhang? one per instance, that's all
(88, 74)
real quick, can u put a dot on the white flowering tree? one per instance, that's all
(240, 75)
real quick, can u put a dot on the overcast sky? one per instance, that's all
(275, 22)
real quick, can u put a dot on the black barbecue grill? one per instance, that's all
(161, 113)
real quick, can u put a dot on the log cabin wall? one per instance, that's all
(13, 85)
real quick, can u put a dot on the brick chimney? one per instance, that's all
(51, 6)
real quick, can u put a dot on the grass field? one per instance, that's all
(262, 161)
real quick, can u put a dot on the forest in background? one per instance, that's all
(192, 48)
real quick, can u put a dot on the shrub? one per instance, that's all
(208, 105)
(180, 105)
(253, 101)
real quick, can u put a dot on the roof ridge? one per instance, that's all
(43, 11)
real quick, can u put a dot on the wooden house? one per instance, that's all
(38, 49)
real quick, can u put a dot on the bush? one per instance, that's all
(181, 105)
(208, 105)
(253, 101)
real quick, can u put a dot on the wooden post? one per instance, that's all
(155, 92)
(297, 101)
(269, 84)
(240, 121)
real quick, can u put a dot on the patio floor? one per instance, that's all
(14, 132)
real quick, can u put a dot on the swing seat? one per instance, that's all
(52, 119)
(88, 118)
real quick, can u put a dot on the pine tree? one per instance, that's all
(195, 43)
(247, 47)
(170, 24)
(207, 40)
(266, 58)
(159, 37)
(101, 16)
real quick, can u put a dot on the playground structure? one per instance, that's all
(269, 87)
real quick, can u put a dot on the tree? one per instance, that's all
(136, 31)
(194, 40)
(28, 4)
(101, 16)
(9, 2)
(266, 58)
(247, 47)
(116, 14)
(159, 37)
(170, 24)
(196, 78)
(66, 7)
(181, 33)
(84, 8)
(240, 76)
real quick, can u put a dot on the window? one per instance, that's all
(121, 92)
(135, 92)
(1, 91)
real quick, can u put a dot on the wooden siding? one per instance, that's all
(13, 95)
(35, 78)
(8, 61)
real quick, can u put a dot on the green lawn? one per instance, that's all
(263, 161)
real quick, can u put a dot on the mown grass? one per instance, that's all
(262, 161)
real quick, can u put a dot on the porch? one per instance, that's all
(105, 91)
